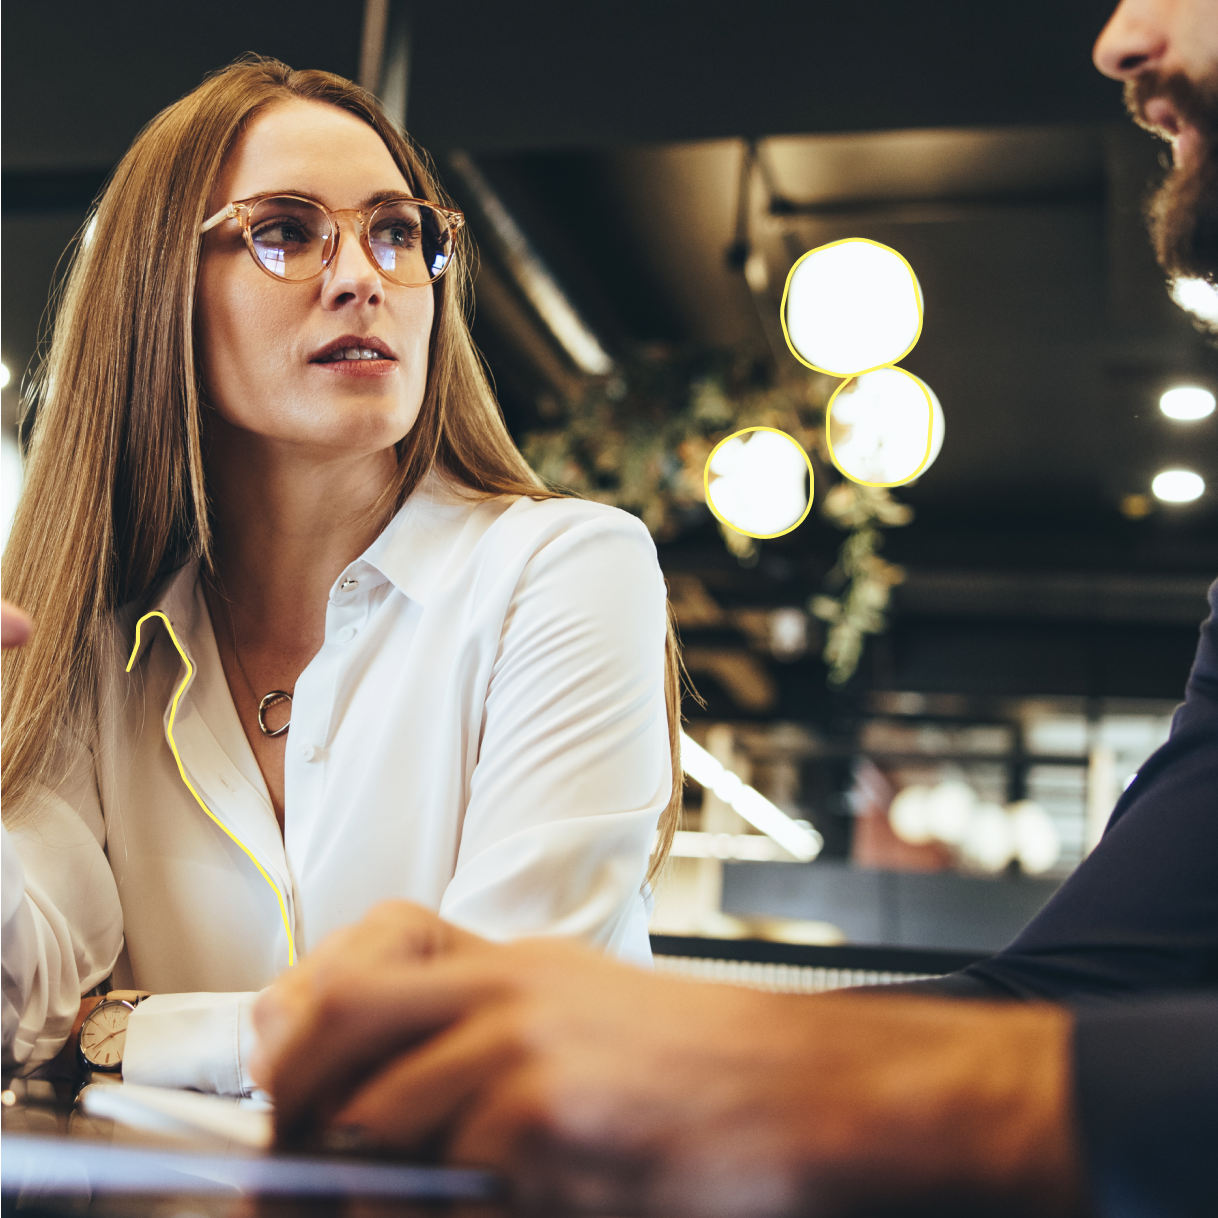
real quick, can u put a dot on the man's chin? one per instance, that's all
(1183, 219)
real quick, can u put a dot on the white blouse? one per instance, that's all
(483, 731)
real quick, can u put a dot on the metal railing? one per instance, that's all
(791, 968)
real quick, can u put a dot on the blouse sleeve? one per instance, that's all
(67, 931)
(573, 768)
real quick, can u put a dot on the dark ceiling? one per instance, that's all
(975, 138)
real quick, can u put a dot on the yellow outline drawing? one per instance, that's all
(782, 308)
(723, 519)
(930, 427)
(173, 710)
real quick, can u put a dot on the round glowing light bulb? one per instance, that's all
(907, 815)
(759, 481)
(1037, 843)
(4, 375)
(949, 810)
(989, 844)
(1178, 486)
(851, 306)
(1187, 402)
(885, 427)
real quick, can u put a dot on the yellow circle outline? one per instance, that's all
(173, 714)
(930, 427)
(782, 308)
(736, 528)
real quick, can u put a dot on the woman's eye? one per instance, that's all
(281, 232)
(400, 235)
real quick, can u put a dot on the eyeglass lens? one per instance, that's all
(294, 238)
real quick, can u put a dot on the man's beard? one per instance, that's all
(1183, 212)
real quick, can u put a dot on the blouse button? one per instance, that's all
(307, 752)
(346, 634)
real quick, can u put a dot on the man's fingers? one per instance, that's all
(352, 1027)
(416, 1097)
(393, 935)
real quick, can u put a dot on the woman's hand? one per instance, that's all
(15, 627)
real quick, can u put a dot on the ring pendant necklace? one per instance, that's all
(267, 700)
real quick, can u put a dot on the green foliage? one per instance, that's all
(864, 580)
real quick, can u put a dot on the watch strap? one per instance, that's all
(134, 997)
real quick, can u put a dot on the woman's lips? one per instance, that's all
(358, 368)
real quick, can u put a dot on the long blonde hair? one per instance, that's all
(115, 489)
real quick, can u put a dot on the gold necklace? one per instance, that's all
(267, 700)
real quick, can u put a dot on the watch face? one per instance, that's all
(103, 1034)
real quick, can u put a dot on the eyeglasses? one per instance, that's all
(294, 238)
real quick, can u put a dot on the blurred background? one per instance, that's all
(946, 686)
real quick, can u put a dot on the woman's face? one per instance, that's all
(267, 345)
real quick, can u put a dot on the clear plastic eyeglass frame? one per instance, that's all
(242, 209)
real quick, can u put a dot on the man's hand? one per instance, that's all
(324, 1023)
(593, 1085)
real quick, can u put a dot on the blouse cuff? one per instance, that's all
(200, 1041)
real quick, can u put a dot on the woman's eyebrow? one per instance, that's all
(378, 196)
(381, 195)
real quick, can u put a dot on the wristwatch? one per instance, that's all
(104, 1031)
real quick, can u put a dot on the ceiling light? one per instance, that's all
(788, 634)
(851, 306)
(706, 770)
(1178, 486)
(759, 481)
(4, 375)
(532, 275)
(885, 427)
(1136, 507)
(949, 809)
(1187, 402)
(745, 847)
(907, 815)
(1037, 843)
(1198, 297)
(989, 844)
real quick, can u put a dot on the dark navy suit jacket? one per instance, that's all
(1131, 942)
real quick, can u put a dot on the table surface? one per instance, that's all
(60, 1161)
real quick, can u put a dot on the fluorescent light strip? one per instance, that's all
(749, 847)
(804, 844)
(533, 276)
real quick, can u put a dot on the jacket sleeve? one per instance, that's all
(573, 768)
(66, 930)
(1140, 913)
(1146, 1097)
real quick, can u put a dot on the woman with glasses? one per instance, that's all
(310, 635)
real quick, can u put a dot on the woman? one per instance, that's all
(310, 633)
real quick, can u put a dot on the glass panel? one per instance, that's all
(291, 237)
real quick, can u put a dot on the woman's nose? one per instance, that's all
(351, 278)
(1134, 40)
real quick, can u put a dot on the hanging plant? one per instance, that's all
(864, 581)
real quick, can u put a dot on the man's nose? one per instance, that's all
(1134, 40)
